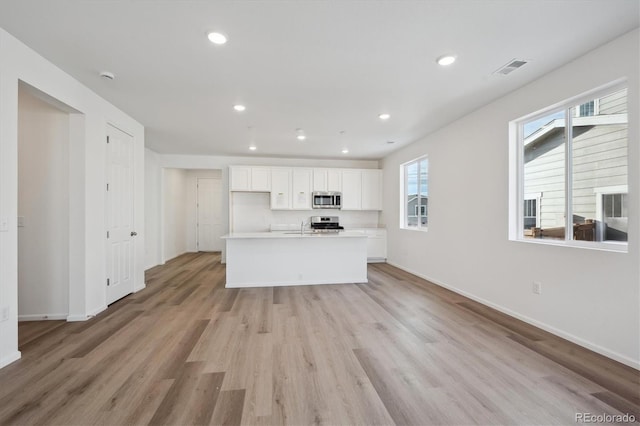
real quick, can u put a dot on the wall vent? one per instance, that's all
(511, 66)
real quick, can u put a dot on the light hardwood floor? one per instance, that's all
(397, 350)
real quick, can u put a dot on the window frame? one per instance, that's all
(404, 214)
(517, 165)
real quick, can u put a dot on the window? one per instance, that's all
(530, 212)
(588, 109)
(415, 194)
(612, 213)
(570, 153)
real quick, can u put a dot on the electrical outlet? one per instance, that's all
(4, 224)
(5, 313)
(536, 287)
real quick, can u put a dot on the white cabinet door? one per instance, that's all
(261, 179)
(320, 179)
(246, 178)
(371, 189)
(239, 178)
(377, 245)
(280, 189)
(334, 180)
(301, 189)
(351, 189)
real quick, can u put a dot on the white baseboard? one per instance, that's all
(8, 359)
(75, 318)
(560, 333)
(42, 317)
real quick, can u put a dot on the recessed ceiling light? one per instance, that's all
(384, 116)
(301, 137)
(345, 151)
(446, 60)
(252, 148)
(239, 107)
(391, 142)
(217, 38)
(300, 134)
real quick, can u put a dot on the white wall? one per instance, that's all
(196, 163)
(152, 208)
(174, 213)
(87, 141)
(43, 206)
(590, 297)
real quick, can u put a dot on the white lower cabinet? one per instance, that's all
(376, 244)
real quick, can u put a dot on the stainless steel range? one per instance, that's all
(326, 224)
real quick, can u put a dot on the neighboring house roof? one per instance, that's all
(413, 198)
(553, 126)
(550, 135)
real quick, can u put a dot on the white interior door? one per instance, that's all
(209, 214)
(119, 217)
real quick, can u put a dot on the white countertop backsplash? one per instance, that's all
(252, 213)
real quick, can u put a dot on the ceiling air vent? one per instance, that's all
(510, 67)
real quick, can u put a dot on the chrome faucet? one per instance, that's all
(302, 227)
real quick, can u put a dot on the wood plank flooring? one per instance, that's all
(398, 350)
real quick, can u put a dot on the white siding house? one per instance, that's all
(598, 158)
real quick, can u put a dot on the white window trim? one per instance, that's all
(516, 168)
(403, 196)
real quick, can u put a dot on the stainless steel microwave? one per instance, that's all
(326, 200)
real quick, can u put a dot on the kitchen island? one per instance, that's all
(266, 259)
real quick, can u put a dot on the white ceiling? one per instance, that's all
(323, 66)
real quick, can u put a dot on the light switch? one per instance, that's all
(20, 221)
(4, 224)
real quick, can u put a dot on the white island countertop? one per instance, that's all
(294, 234)
(281, 258)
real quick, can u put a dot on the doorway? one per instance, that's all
(209, 224)
(43, 206)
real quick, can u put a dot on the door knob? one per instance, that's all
(134, 233)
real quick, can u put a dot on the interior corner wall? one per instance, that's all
(87, 248)
(588, 296)
(43, 209)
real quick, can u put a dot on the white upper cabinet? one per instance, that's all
(334, 180)
(327, 180)
(301, 189)
(371, 189)
(261, 179)
(280, 189)
(351, 189)
(291, 187)
(246, 178)
(361, 189)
